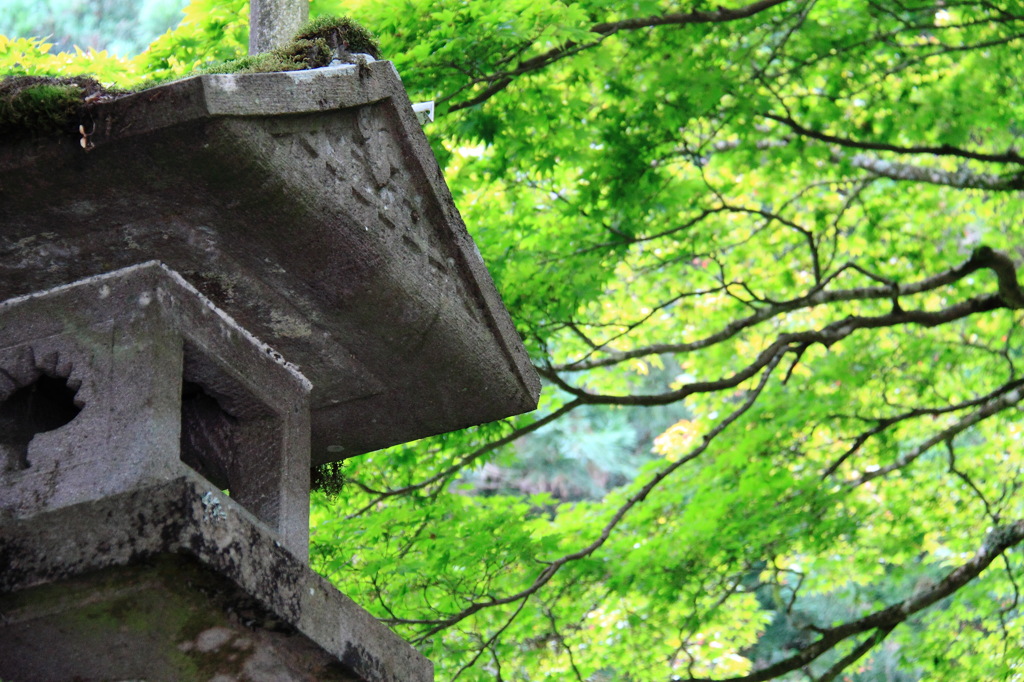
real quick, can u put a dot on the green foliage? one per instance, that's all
(122, 27)
(212, 31)
(32, 57)
(783, 388)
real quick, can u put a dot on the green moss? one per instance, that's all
(37, 106)
(42, 106)
(341, 33)
(328, 478)
(308, 51)
(259, 63)
(298, 54)
(316, 45)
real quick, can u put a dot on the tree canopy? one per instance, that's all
(780, 236)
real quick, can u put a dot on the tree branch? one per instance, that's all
(381, 495)
(826, 336)
(864, 647)
(996, 542)
(961, 179)
(1009, 156)
(493, 638)
(717, 16)
(884, 423)
(983, 257)
(998, 405)
(502, 80)
(636, 498)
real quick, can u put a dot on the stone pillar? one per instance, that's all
(272, 23)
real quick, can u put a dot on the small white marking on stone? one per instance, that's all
(226, 82)
(145, 298)
(104, 291)
(424, 112)
(309, 74)
(213, 639)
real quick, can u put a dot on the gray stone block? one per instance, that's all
(151, 379)
(173, 581)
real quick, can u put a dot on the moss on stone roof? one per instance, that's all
(317, 44)
(39, 106)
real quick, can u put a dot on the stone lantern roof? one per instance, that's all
(308, 206)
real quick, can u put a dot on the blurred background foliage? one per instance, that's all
(121, 28)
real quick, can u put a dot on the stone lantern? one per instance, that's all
(228, 279)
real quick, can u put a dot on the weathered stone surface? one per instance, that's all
(124, 343)
(175, 582)
(165, 619)
(308, 206)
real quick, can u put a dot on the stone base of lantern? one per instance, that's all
(128, 404)
(177, 582)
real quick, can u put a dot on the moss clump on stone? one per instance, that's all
(38, 105)
(341, 35)
(317, 44)
(328, 478)
(257, 63)
(296, 55)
